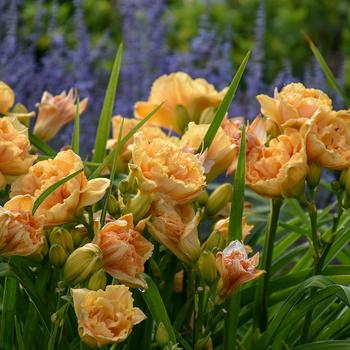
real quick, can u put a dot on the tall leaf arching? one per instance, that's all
(104, 124)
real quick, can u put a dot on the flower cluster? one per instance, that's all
(102, 231)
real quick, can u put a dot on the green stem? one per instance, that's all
(231, 322)
(8, 312)
(261, 303)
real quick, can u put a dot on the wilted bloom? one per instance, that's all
(279, 169)
(66, 202)
(150, 132)
(105, 317)
(221, 153)
(124, 250)
(175, 226)
(7, 98)
(166, 169)
(235, 269)
(56, 111)
(178, 89)
(294, 104)
(15, 159)
(328, 140)
(20, 233)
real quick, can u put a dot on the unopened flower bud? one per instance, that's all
(335, 185)
(207, 266)
(76, 237)
(98, 280)
(182, 117)
(218, 199)
(61, 236)
(138, 205)
(202, 199)
(343, 178)
(113, 206)
(215, 242)
(82, 263)
(207, 115)
(57, 255)
(7, 98)
(204, 343)
(314, 175)
(162, 336)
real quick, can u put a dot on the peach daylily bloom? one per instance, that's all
(166, 169)
(55, 112)
(280, 168)
(124, 251)
(328, 140)
(176, 227)
(66, 202)
(150, 131)
(105, 317)
(221, 153)
(294, 104)
(235, 269)
(7, 98)
(223, 224)
(175, 89)
(15, 158)
(21, 234)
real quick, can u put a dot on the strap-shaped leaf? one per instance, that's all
(104, 124)
(325, 345)
(41, 145)
(76, 130)
(237, 203)
(326, 70)
(225, 104)
(157, 308)
(51, 189)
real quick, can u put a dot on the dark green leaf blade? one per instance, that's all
(326, 70)
(225, 104)
(104, 124)
(41, 145)
(53, 188)
(76, 130)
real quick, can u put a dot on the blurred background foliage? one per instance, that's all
(53, 45)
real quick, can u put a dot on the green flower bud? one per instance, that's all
(215, 241)
(207, 266)
(76, 237)
(207, 115)
(202, 199)
(182, 117)
(218, 199)
(61, 236)
(57, 255)
(343, 178)
(113, 206)
(82, 263)
(98, 280)
(314, 175)
(138, 205)
(162, 336)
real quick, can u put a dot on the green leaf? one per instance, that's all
(9, 271)
(157, 308)
(236, 215)
(299, 310)
(325, 345)
(326, 70)
(8, 313)
(225, 104)
(51, 189)
(41, 145)
(332, 328)
(76, 130)
(112, 175)
(107, 160)
(104, 124)
(289, 304)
